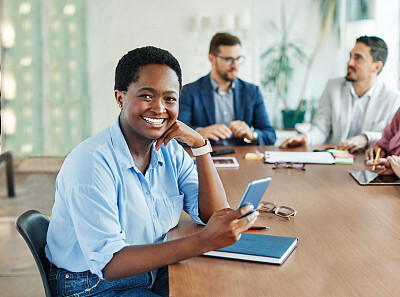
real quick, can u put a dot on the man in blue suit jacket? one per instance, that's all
(222, 107)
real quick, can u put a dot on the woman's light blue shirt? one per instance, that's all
(104, 203)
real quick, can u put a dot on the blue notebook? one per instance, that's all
(258, 248)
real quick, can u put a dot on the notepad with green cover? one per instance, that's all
(258, 248)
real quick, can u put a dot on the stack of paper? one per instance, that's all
(298, 157)
(342, 156)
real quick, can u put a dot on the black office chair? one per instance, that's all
(32, 225)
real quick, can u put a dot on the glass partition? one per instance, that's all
(45, 99)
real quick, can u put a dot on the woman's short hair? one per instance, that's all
(128, 67)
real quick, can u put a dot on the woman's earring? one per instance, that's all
(120, 105)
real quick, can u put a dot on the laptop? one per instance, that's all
(366, 177)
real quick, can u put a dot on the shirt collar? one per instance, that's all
(368, 94)
(157, 158)
(215, 85)
(122, 150)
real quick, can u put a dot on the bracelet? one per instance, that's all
(202, 150)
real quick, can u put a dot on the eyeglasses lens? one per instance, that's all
(267, 206)
(239, 60)
(229, 60)
(300, 166)
(282, 211)
(286, 212)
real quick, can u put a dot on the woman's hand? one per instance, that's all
(226, 226)
(395, 164)
(382, 166)
(370, 153)
(182, 133)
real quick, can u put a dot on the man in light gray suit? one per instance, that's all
(353, 111)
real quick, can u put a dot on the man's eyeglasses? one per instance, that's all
(301, 166)
(229, 60)
(281, 211)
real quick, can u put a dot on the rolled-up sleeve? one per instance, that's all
(94, 213)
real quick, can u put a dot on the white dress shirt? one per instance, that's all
(359, 106)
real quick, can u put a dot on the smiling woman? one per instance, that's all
(137, 178)
(148, 112)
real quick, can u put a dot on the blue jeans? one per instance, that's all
(75, 284)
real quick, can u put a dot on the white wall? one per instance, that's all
(185, 29)
(387, 27)
(117, 26)
(306, 27)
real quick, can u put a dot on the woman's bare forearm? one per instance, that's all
(212, 195)
(134, 260)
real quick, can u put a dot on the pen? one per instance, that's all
(376, 158)
(259, 228)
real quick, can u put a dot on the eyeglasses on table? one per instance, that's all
(290, 165)
(281, 211)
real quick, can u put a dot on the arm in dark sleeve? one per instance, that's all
(186, 107)
(261, 123)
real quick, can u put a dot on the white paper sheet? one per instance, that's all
(298, 157)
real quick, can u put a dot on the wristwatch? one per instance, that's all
(203, 149)
(254, 139)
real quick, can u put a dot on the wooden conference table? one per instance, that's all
(349, 236)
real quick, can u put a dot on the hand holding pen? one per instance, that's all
(378, 163)
(376, 158)
(371, 152)
(258, 228)
(381, 166)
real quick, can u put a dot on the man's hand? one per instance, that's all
(354, 144)
(240, 129)
(297, 140)
(215, 132)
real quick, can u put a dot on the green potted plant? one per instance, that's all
(278, 70)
